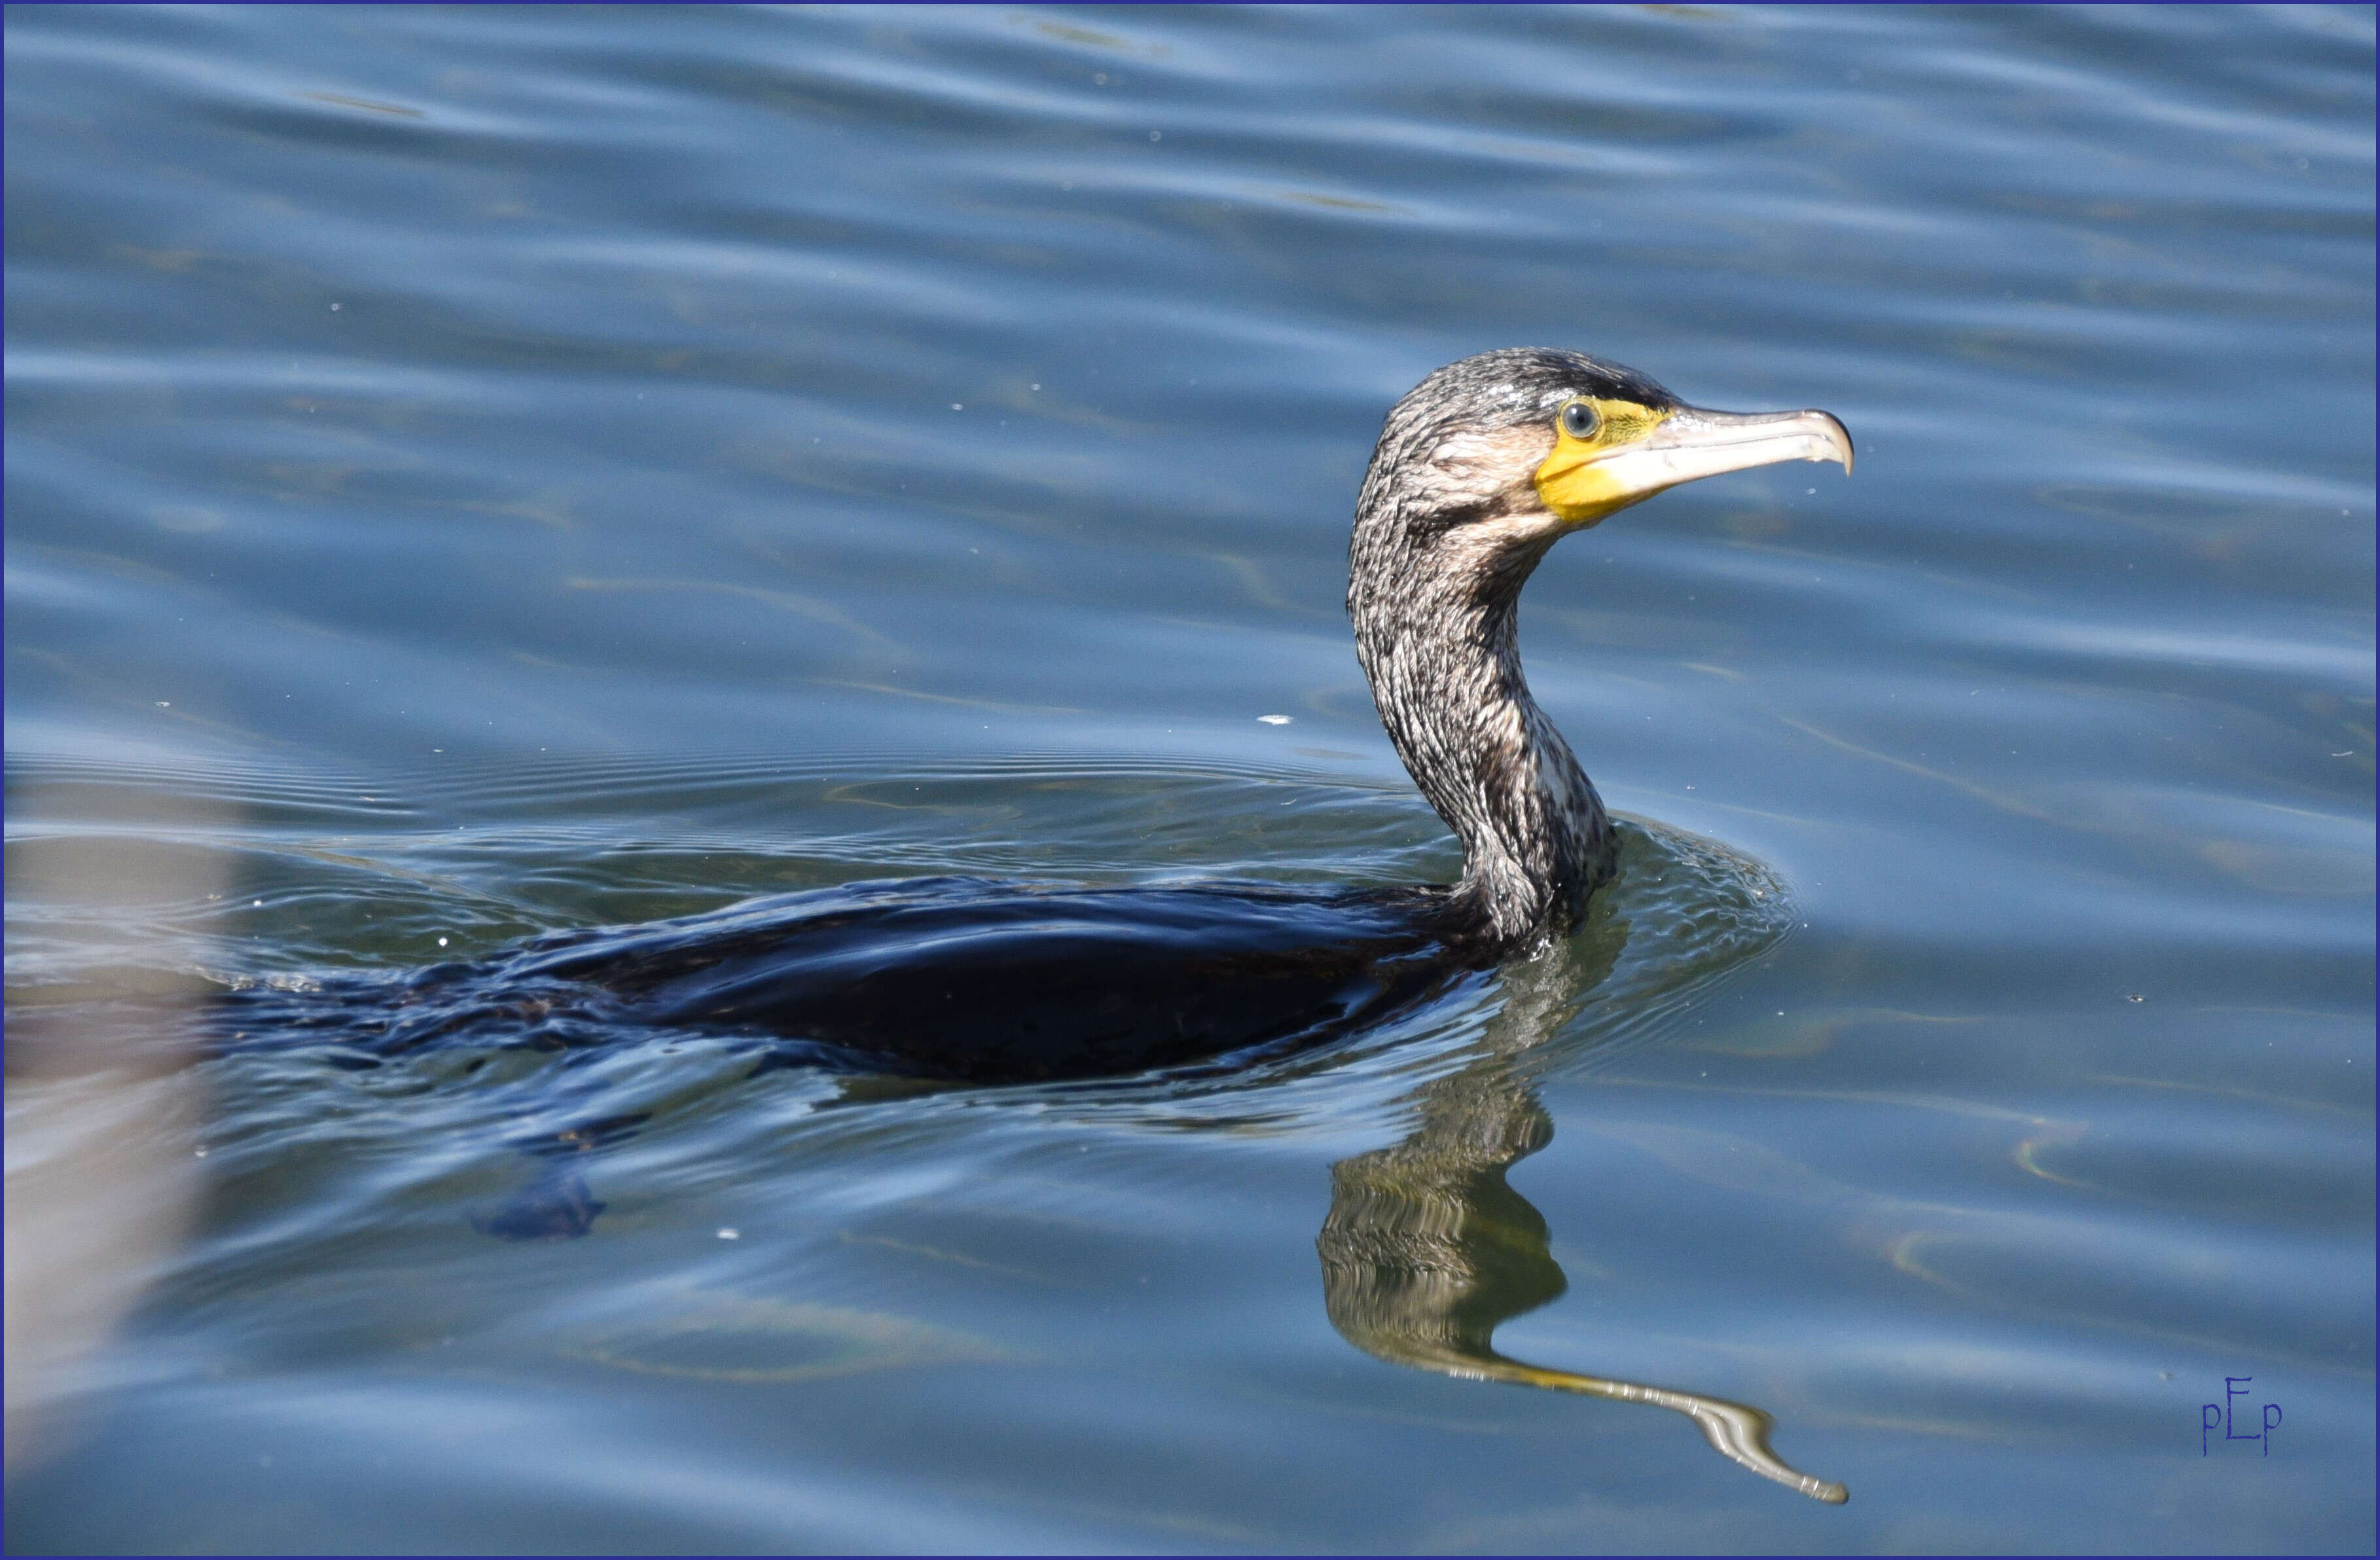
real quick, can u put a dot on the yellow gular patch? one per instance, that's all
(1569, 482)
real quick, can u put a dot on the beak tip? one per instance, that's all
(1843, 441)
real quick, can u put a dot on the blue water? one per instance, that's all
(478, 471)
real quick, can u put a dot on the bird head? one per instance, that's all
(1489, 461)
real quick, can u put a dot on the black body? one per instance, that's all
(965, 979)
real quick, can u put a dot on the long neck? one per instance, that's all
(1445, 667)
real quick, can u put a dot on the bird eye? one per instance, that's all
(1581, 420)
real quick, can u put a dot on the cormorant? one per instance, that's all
(1480, 468)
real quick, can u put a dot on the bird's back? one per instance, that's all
(962, 978)
(988, 981)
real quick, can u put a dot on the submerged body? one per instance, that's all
(956, 979)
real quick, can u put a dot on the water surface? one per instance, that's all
(472, 472)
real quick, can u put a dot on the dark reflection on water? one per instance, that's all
(1428, 1248)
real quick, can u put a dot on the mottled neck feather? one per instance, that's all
(1444, 660)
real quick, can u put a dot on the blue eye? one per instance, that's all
(1581, 420)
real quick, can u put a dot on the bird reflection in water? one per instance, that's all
(1428, 1248)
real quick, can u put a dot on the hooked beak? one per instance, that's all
(1692, 442)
